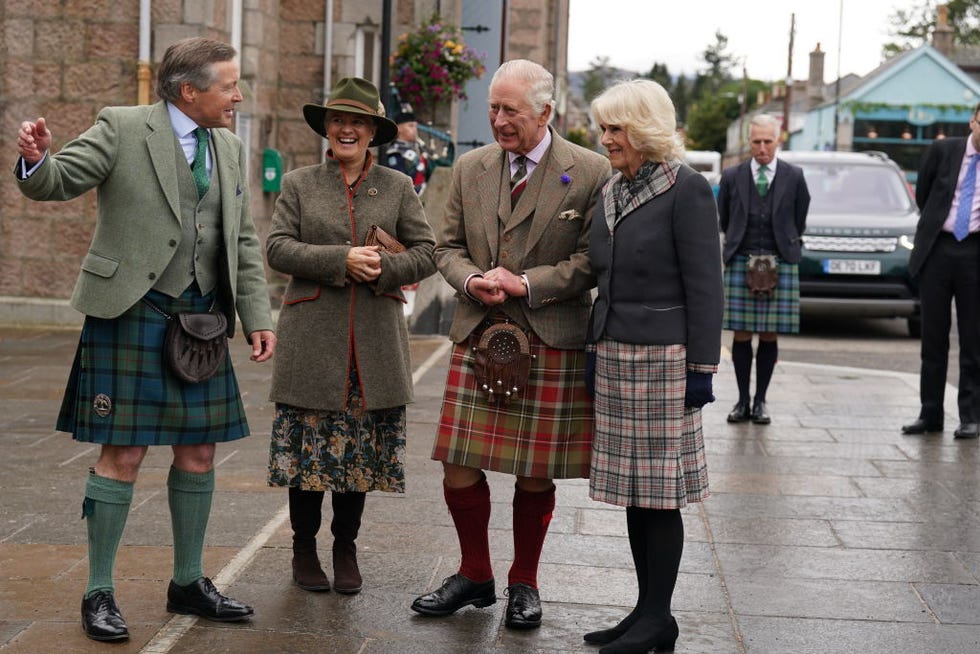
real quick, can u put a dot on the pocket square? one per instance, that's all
(569, 214)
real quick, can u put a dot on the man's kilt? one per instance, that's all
(120, 391)
(745, 312)
(544, 432)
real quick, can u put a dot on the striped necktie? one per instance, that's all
(199, 169)
(519, 181)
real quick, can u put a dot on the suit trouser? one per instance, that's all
(950, 273)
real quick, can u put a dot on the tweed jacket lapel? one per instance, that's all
(552, 189)
(487, 185)
(228, 174)
(163, 155)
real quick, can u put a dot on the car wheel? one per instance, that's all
(915, 326)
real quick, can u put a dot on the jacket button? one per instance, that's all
(173, 242)
(152, 275)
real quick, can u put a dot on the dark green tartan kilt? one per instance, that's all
(745, 312)
(121, 392)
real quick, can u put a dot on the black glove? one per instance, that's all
(698, 391)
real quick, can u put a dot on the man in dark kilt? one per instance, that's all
(514, 247)
(173, 235)
(762, 207)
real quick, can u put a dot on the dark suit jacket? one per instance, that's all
(790, 203)
(934, 192)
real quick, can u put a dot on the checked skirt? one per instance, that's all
(545, 432)
(744, 311)
(120, 391)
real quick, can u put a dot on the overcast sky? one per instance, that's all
(635, 34)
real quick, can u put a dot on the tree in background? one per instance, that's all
(597, 78)
(913, 27)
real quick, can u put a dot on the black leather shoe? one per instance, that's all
(760, 415)
(456, 592)
(523, 607)
(739, 413)
(921, 426)
(967, 430)
(101, 618)
(203, 599)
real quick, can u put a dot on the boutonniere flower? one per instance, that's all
(565, 179)
(569, 214)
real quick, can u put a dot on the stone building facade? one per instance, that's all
(67, 59)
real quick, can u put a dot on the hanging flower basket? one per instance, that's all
(432, 65)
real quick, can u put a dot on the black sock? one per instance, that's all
(765, 363)
(742, 360)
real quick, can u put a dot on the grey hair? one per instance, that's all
(645, 111)
(770, 121)
(540, 83)
(190, 60)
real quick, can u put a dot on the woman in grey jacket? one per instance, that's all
(656, 330)
(344, 378)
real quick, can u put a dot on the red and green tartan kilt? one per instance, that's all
(745, 312)
(120, 362)
(545, 432)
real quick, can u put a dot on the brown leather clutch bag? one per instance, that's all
(388, 243)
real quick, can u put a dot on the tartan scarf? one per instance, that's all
(621, 196)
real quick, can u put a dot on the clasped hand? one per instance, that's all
(33, 140)
(364, 263)
(495, 286)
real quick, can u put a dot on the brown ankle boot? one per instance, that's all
(347, 510)
(307, 572)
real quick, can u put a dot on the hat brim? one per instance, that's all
(315, 116)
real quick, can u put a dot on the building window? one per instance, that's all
(367, 51)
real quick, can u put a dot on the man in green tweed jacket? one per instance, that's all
(173, 235)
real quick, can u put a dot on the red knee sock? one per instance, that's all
(470, 509)
(532, 515)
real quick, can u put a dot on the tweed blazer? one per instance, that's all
(660, 275)
(327, 321)
(790, 203)
(556, 252)
(938, 177)
(130, 155)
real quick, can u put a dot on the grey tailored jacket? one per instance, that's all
(660, 276)
(130, 156)
(558, 201)
(327, 321)
(790, 203)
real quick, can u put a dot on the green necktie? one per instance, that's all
(200, 168)
(762, 182)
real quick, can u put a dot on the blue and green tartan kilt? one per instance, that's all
(121, 392)
(779, 313)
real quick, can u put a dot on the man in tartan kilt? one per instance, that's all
(762, 207)
(514, 246)
(173, 235)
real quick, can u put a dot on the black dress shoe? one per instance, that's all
(523, 607)
(203, 599)
(101, 618)
(921, 426)
(967, 430)
(456, 592)
(739, 413)
(760, 415)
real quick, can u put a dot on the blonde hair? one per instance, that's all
(645, 111)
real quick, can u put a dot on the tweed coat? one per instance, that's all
(130, 154)
(326, 318)
(790, 203)
(558, 200)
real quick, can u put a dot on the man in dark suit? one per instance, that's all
(946, 262)
(514, 246)
(173, 235)
(762, 207)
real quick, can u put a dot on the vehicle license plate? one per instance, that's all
(852, 266)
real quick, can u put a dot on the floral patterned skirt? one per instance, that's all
(341, 451)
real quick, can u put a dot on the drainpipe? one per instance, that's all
(143, 66)
(327, 56)
(236, 26)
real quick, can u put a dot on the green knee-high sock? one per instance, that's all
(190, 505)
(105, 508)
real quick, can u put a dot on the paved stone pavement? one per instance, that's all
(827, 531)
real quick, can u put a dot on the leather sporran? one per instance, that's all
(195, 344)
(762, 276)
(502, 361)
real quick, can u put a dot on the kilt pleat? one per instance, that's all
(648, 449)
(745, 312)
(545, 432)
(120, 391)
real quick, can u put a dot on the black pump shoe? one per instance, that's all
(101, 618)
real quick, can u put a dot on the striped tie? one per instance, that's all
(519, 181)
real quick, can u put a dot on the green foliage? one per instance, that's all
(597, 78)
(707, 127)
(914, 26)
(580, 136)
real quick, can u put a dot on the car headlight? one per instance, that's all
(905, 241)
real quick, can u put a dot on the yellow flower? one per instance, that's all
(450, 44)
